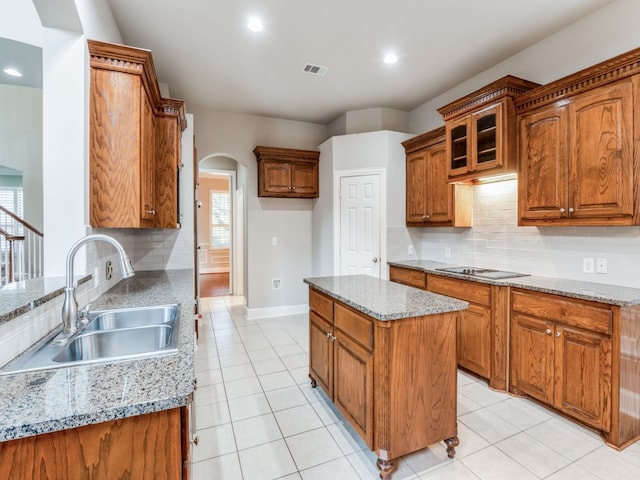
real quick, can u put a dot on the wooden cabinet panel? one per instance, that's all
(577, 156)
(583, 314)
(287, 173)
(481, 130)
(474, 339)
(399, 396)
(321, 352)
(147, 160)
(130, 148)
(321, 304)
(601, 154)
(430, 200)
(543, 178)
(416, 203)
(583, 369)
(475, 292)
(146, 447)
(532, 357)
(407, 276)
(354, 325)
(566, 367)
(353, 394)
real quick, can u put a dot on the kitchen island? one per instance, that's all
(101, 408)
(385, 355)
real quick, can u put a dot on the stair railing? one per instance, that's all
(20, 249)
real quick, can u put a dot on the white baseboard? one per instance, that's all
(281, 311)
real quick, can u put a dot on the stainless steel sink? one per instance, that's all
(110, 335)
(121, 343)
(131, 317)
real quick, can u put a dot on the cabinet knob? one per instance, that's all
(425, 218)
(152, 211)
(293, 188)
(570, 210)
(562, 210)
(557, 334)
(548, 331)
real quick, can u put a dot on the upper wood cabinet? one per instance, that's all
(285, 172)
(431, 201)
(577, 150)
(135, 141)
(481, 130)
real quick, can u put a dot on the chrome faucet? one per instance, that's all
(70, 305)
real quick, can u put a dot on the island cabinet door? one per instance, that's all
(474, 339)
(353, 394)
(321, 352)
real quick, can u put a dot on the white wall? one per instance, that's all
(235, 136)
(21, 141)
(495, 239)
(372, 150)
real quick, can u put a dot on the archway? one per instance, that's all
(220, 226)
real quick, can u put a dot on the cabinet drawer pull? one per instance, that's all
(548, 331)
(152, 211)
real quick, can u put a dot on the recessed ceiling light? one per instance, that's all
(390, 58)
(13, 72)
(255, 24)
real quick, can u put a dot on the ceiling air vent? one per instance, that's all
(315, 69)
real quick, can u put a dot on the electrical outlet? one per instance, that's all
(274, 241)
(276, 284)
(410, 250)
(587, 264)
(601, 265)
(447, 252)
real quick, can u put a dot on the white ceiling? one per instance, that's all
(203, 50)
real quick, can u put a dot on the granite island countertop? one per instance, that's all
(50, 400)
(384, 300)
(595, 292)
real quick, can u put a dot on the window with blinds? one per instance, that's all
(11, 198)
(220, 219)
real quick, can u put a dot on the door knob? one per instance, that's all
(375, 259)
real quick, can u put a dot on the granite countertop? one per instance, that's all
(19, 297)
(384, 300)
(50, 400)
(596, 292)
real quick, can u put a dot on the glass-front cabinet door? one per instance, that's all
(458, 151)
(487, 138)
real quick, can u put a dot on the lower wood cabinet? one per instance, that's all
(566, 353)
(144, 447)
(408, 276)
(394, 381)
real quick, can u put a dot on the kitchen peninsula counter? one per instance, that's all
(51, 400)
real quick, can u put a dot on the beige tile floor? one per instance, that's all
(257, 418)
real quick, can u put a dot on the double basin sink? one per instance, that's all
(109, 335)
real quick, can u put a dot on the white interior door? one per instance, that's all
(360, 212)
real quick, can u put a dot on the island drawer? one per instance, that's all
(321, 304)
(354, 325)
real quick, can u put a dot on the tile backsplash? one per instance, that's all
(496, 241)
